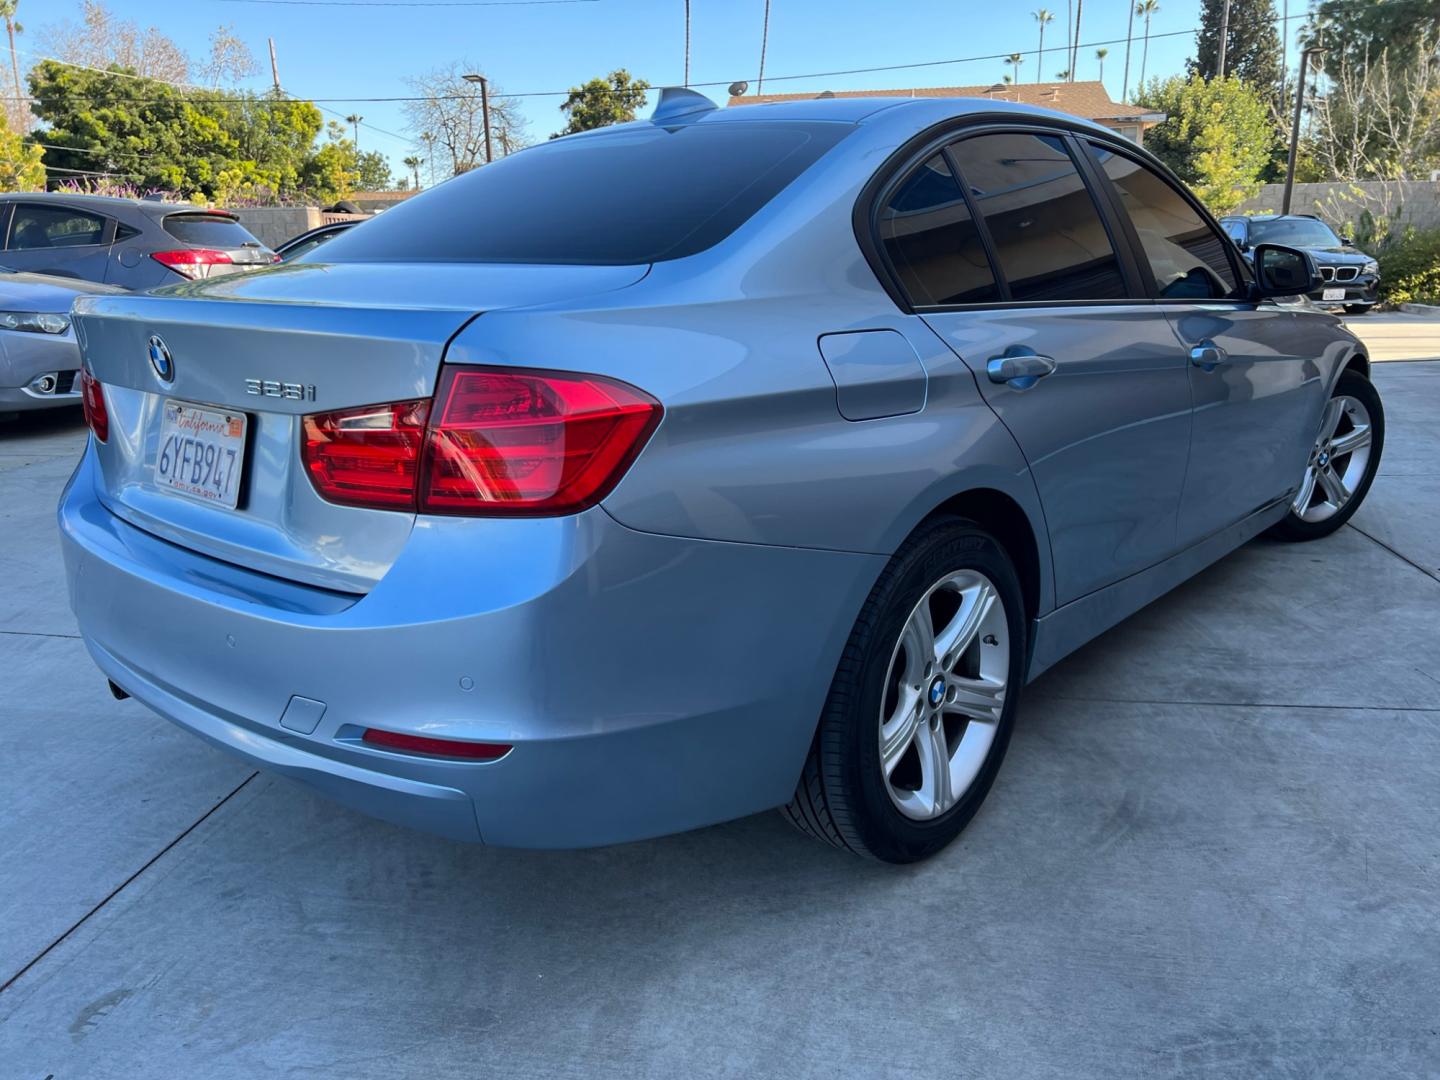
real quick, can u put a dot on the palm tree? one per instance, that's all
(1069, 25)
(687, 42)
(1100, 55)
(413, 163)
(1075, 48)
(1129, 33)
(1063, 76)
(1146, 8)
(1007, 79)
(1042, 17)
(354, 121)
(7, 9)
(1014, 61)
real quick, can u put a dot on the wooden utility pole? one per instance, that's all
(1224, 38)
(485, 114)
(274, 67)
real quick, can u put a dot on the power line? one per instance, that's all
(320, 102)
(409, 3)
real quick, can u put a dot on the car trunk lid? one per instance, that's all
(272, 347)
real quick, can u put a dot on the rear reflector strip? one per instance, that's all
(418, 744)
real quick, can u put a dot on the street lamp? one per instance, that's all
(471, 77)
(1313, 50)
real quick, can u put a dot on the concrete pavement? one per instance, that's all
(1213, 851)
(1397, 335)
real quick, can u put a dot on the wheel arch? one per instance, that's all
(1004, 518)
(1358, 363)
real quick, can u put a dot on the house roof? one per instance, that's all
(1087, 99)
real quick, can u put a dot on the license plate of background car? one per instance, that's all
(201, 453)
(1333, 294)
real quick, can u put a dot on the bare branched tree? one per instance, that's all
(230, 59)
(101, 39)
(1380, 120)
(449, 109)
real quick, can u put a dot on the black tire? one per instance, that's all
(1292, 526)
(841, 797)
(1356, 309)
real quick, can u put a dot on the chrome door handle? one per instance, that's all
(1208, 355)
(1020, 370)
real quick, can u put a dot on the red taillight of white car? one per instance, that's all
(92, 400)
(193, 263)
(494, 442)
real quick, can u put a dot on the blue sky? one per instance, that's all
(359, 52)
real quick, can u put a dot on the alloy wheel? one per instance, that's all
(1338, 460)
(944, 694)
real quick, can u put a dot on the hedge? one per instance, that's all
(1410, 269)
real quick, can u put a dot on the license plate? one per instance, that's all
(1333, 294)
(201, 452)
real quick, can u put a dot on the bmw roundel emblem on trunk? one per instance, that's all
(160, 359)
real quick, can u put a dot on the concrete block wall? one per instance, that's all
(1340, 202)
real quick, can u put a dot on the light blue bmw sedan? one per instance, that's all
(728, 460)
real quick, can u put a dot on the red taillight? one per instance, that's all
(92, 399)
(368, 456)
(191, 262)
(419, 744)
(499, 442)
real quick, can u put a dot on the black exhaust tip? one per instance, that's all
(116, 692)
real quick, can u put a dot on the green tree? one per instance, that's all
(20, 163)
(161, 137)
(1218, 136)
(602, 102)
(1252, 50)
(1357, 32)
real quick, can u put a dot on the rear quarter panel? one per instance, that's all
(753, 447)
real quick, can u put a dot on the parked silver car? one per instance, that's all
(133, 243)
(39, 359)
(678, 470)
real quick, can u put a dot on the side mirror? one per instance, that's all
(1348, 241)
(1284, 271)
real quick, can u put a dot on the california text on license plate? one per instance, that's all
(201, 452)
(1333, 294)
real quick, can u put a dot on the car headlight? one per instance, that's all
(1372, 267)
(36, 322)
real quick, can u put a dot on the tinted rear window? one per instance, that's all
(208, 230)
(634, 196)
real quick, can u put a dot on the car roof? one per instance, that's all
(692, 108)
(112, 203)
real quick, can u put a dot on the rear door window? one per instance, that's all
(38, 226)
(931, 241)
(1047, 233)
(1189, 259)
(209, 230)
(631, 195)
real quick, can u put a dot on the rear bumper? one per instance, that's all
(648, 684)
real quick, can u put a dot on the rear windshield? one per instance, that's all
(1299, 232)
(209, 230)
(637, 195)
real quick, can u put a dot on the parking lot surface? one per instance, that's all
(1397, 335)
(1214, 850)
